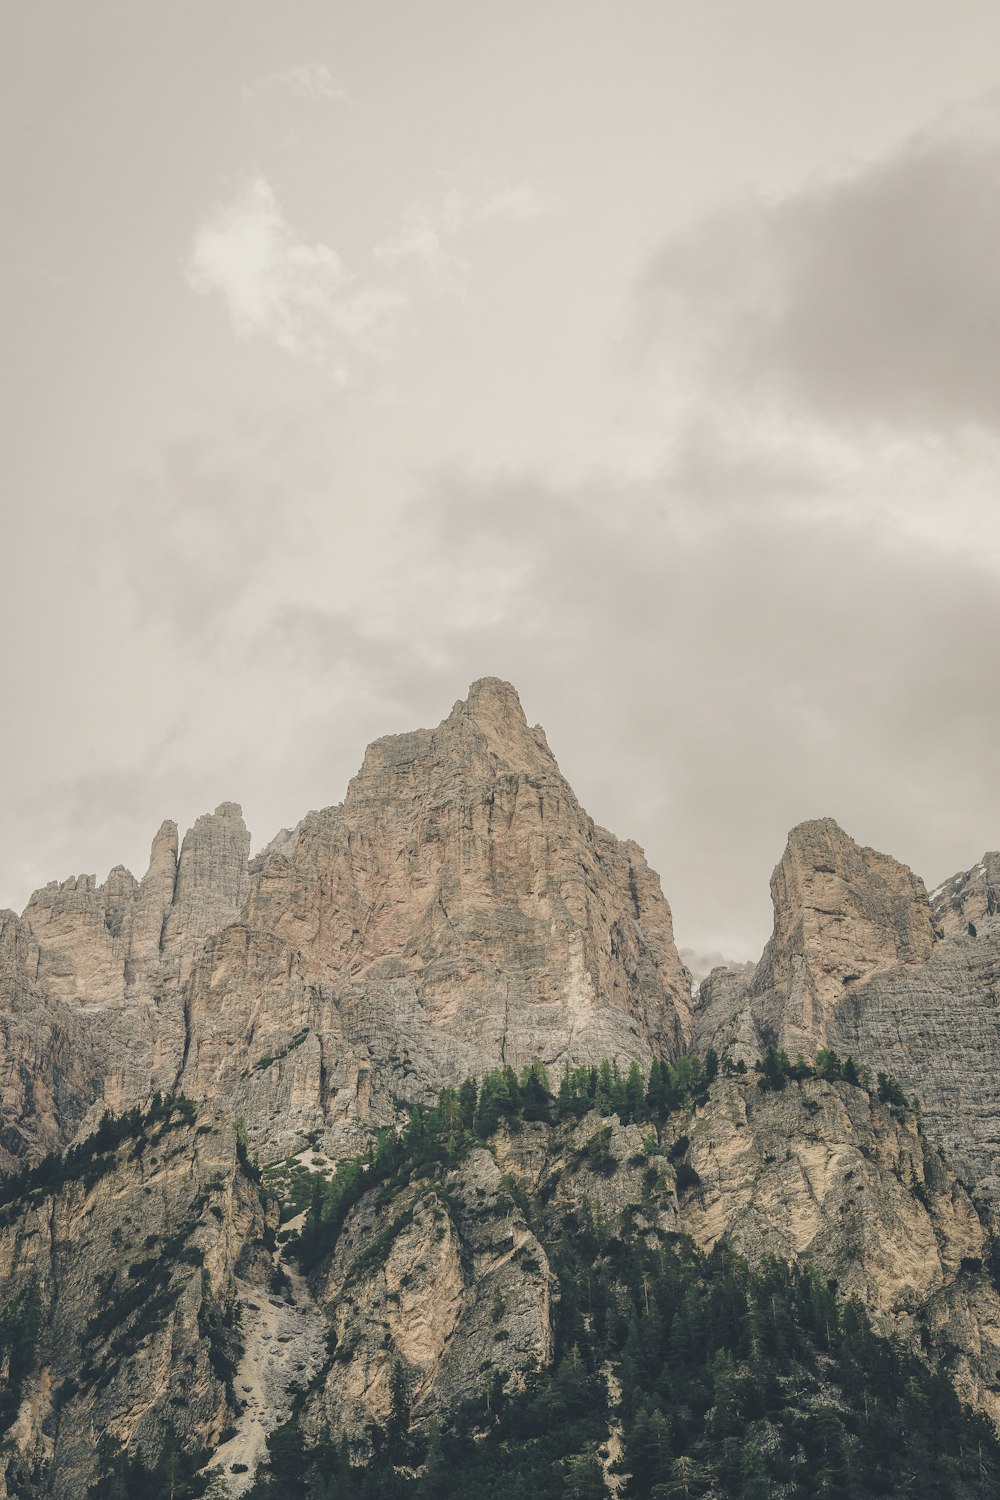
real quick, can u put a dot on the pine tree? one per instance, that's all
(656, 1091)
(635, 1096)
(468, 1095)
(754, 1483)
(536, 1096)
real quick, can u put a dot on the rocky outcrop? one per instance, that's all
(937, 1029)
(212, 884)
(820, 1172)
(457, 911)
(445, 1284)
(858, 962)
(50, 1070)
(841, 914)
(968, 905)
(461, 876)
(126, 1272)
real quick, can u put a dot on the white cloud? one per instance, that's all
(277, 284)
(520, 202)
(417, 239)
(308, 80)
(420, 251)
(424, 235)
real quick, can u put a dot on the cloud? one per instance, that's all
(519, 202)
(421, 240)
(708, 678)
(307, 80)
(277, 284)
(428, 232)
(871, 298)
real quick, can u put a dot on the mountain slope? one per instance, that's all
(691, 1266)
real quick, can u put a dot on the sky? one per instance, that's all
(645, 355)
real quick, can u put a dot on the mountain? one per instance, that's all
(860, 961)
(400, 1160)
(456, 911)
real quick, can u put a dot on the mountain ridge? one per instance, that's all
(340, 1046)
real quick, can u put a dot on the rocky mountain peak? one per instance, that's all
(212, 878)
(490, 696)
(968, 905)
(465, 896)
(841, 913)
(493, 711)
(485, 735)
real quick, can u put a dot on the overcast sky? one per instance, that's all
(646, 355)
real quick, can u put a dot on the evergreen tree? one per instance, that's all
(536, 1096)
(634, 1106)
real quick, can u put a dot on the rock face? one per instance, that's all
(461, 869)
(859, 962)
(211, 884)
(127, 1272)
(819, 1172)
(968, 905)
(457, 911)
(463, 912)
(50, 1071)
(444, 1282)
(450, 1286)
(841, 914)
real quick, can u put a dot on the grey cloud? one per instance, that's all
(707, 686)
(873, 297)
(83, 825)
(199, 531)
(708, 675)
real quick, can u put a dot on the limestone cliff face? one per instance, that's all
(445, 1280)
(461, 875)
(448, 1283)
(859, 962)
(820, 1172)
(841, 914)
(937, 1029)
(128, 939)
(49, 1069)
(129, 1272)
(457, 911)
(211, 885)
(968, 905)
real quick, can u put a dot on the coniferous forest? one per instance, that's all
(676, 1374)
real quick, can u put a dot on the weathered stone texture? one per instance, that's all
(858, 962)
(821, 1173)
(450, 1284)
(457, 911)
(110, 1359)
